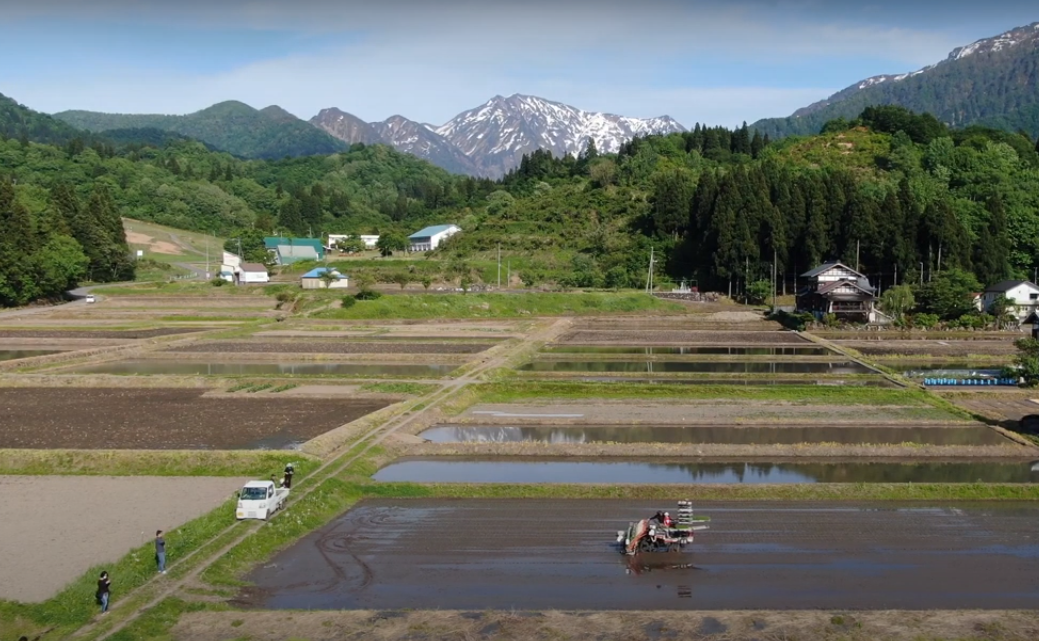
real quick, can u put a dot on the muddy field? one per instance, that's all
(54, 528)
(555, 625)
(324, 347)
(679, 337)
(165, 418)
(931, 348)
(124, 334)
(702, 412)
(558, 555)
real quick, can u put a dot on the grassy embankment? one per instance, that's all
(256, 463)
(421, 306)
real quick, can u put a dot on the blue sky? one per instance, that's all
(713, 62)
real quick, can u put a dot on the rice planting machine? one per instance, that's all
(661, 532)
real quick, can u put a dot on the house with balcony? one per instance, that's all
(834, 288)
(1022, 294)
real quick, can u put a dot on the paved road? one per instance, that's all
(557, 555)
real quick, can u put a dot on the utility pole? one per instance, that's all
(774, 287)
(499, 265)
(508, 274)
(857, 256)
(921, 272)
(649, 276)
(207, 256)
(939, 258)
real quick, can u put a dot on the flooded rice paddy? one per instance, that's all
(731, 435)
(865, 381)
(520, 470)
(844, 368)
(559, 555)
(206, 368)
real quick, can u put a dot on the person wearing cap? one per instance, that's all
(104, 585)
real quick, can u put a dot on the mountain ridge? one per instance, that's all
(992, 81)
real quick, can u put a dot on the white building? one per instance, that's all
(251, 273)
(230, 260)
(428, 239)
(1023, 294)
(369, 240)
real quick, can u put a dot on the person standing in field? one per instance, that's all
(104, 585)
(160, 552)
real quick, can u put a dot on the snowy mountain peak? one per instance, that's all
(997, 43)
(500, 131)
(492, 138)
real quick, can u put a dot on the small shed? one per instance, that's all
(316, 279)
(250, 273)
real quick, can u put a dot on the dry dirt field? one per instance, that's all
(635, 336)
(123, 334)
(163, 418)
(555, 625)
(324, 347)
(930, 348)
(55, 528)
(704, 412)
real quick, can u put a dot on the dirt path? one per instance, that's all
(54, 528)
(559, 554)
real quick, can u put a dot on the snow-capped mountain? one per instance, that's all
(497, 133)
(421, 140)
(990, 81)
(491, 139)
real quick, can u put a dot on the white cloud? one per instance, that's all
(430, 60)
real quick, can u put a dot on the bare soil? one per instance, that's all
(680, 337)
(702, 412)
(324, 347)
(725, 625)
(930, 348)
(55, 528)
(124, 334)
(559, 554)
(164, 418)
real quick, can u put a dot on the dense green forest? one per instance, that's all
(899, 194)
(231, 126)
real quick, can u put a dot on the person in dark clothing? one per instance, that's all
(160, 552)
(658, 517)
(104, 585)
(289, 471)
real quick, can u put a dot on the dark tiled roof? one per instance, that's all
(1007, 285)
(825, 266)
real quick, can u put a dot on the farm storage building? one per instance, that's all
(249, 273)
(288, 254)
(428, 239)
(313, 279)
(273, 242)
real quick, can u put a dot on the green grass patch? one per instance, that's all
(412, 389)
(282, 388)
(419, 306)
(156, 623)
(517, 390)
(709, 492)
(256, 463)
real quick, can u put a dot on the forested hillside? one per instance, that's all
(230, 126)
(890, 190)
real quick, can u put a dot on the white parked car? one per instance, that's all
(90, 298)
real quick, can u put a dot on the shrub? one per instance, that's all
(367, 294)
(348, 301)
(218, 282)
(925, 321)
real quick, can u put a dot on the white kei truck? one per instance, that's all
(260, 499)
